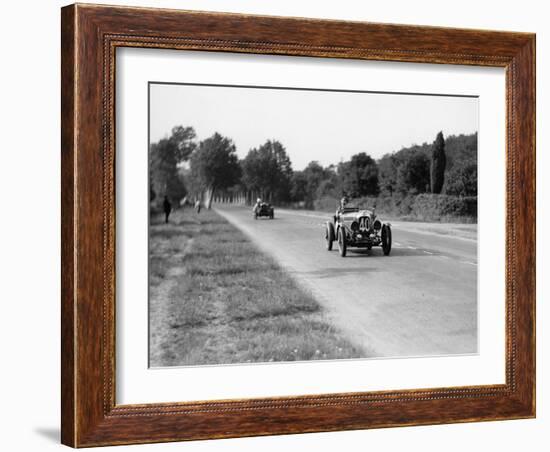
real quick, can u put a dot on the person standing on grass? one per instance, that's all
(167, 208)
(198, 205)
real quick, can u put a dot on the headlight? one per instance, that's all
(377, 225)
(354, 226)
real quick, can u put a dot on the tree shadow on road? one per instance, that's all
(338, 271)
(399, 251)
(376, 253)
(408, 252)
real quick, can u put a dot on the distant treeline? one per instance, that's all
(182, 167)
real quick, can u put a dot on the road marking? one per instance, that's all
(469, 263)
(427, 252)
(411, 247)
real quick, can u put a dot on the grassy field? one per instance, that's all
(215, 299)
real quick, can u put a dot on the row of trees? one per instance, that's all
(213, 166)
(180, 166)
(447, 166)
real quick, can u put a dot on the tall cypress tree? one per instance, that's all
(437, 167)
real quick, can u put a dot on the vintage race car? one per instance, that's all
(263, 210)
(357, 228)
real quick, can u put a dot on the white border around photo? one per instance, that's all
(136, 383)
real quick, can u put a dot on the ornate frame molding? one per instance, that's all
(90, 37)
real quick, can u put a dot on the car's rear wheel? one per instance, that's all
(329, 235)
(386, 240)
(342, 245)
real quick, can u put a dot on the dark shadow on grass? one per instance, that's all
(234, 240)
(215, 231)
(232, 270)
(169, 233)
(284, 311)
(189, 324)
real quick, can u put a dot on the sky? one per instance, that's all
(325, 126)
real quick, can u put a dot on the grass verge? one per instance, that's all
(215, 299)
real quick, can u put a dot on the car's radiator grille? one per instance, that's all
(364, 223)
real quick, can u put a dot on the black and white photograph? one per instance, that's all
(275, 226)
(290, 224)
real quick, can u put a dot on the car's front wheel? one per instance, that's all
(386, 240)
(329, 235)
(342, 245)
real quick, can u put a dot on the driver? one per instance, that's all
(258, 203)
(343, 203)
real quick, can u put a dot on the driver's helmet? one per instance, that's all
(259, 200)
(344, 201)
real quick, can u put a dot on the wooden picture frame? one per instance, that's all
(90, 35)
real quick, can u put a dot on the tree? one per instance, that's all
(413, 174)
(306, 184)
(459, 148)
(387, 173)
(314, 174)
(214, 165)
(330, 187)
(165, 156)
(437, 167)
(298, 186)
(183, 139)
(314, 183)
(462, 179)
(360, 176)
(267, 171)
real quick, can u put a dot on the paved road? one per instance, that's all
(421, 300)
